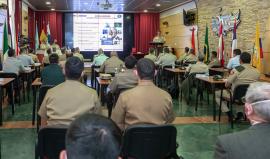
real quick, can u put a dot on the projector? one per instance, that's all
(107, 5)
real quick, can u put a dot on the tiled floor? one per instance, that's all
(197, 132)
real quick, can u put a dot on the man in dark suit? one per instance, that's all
(252, 143)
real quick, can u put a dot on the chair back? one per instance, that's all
(239, 92)
(213, 72)
(149, 142)
(51, 141)
(10, 75)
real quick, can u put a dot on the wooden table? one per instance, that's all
(5, 82)
(220, 69)
(213, 83)
(35, 85)
(27, 76)
(102, 85)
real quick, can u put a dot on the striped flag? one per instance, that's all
(221, 45)
(48, 34)
(234, 38)
(36, 38)
(193, 39)
(257, 57)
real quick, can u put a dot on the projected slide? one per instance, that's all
(94, 31)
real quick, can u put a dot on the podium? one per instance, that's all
(158, 46)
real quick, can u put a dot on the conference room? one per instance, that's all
(140, 79)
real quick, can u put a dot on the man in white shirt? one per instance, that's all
(235, 61)
(25, 59)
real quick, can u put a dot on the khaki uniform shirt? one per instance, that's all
(126, 79)
(62, 57)
(80, 56)
(190, 58)
(144, 104)
(167, 60)
(110, 64)
(214, 62)
(151, 57)
(182, 57)
(245, 75)
(199, 67)
(56, 46)
(66, 101)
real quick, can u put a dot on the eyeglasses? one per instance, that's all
(254, 103)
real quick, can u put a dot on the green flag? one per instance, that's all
(206, 46)
(5, 41)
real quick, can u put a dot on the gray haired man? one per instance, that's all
(253, 142)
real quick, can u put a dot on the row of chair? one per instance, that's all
(139, 142)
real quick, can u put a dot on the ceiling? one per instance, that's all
(96, 5)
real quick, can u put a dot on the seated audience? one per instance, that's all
(52, 74)
(184, 55)
(33, 55)
(62, 57)
(168, 59)
(126, 79)
(214, 60)
(24, 58)
(190, 58)
(46, 56)
(151, 55)
(100, 58)
(78, 54)
(144, 104)
(68, 100)
(243, 74)
(201, 68)
(234, 61)
(92, 137)
(112, 65)
(252, 143)
(12, 64)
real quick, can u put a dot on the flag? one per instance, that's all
(206, 46)
(257, 57)
(36, 38)
(221, 45)
(48, 34)
(5, 41)
(193, 39)
(43, 36)
(234, 38)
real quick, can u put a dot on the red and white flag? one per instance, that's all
(221, 45)
(234, 38)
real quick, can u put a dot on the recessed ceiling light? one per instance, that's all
(52, 9)
(158, 5)
(48, 2)
(145, 10)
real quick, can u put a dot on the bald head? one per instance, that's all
(113, 53)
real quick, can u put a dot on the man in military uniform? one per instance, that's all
(12, 64)
(44, 45)
(78, 54)
(33, 55)
(123, 80)
(70, 99)
(168, 59)
(214, 60)
(151, 55)
(190, 58)
(112, 65)
(132, 105)
(100, 58)
(55, 45)
(243, 74)
(199, 67)
(183, 56)
(159, 38)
